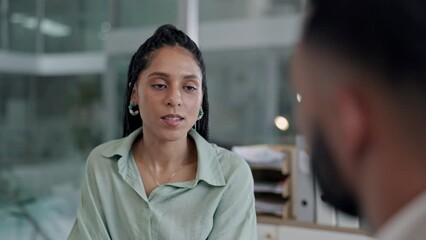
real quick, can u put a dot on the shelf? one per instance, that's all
(271, 197)
(265, 168)
(293, 223)
(264, 175)
(277, 210)
(281, 188)
(270, 166)
(265, 157)
(275, 206)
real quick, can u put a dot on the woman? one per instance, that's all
(163, 180)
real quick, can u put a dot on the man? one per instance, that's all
(360, 68)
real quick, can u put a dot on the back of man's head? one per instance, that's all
(387, 36)
(360, 68)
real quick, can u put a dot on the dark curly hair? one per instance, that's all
(166, 35)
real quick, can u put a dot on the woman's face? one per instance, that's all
(169, 94)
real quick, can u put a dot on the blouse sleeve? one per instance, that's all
(90, 222)
(235, 217)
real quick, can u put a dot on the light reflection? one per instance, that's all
(281, 123)
(299, 97)
(47, 26)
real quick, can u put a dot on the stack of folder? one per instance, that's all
(284, 187)
(270, 168)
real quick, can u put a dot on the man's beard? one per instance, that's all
(329, 178)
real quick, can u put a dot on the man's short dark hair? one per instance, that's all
(388, 36)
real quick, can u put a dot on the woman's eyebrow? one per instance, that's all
(165, 75)
(191, 76)
(159, 74)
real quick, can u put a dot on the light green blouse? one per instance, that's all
(217, 204)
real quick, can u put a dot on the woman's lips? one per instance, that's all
(172, 120)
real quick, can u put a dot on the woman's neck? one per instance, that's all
(163, 155)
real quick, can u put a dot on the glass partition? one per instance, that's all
(79, 25)
(3, 27)
(247, 90)
(121, 64)
(221, 10)
(47, 127)
(135, 13)
(22, 25)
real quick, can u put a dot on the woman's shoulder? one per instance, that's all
(231, 163)
(106, 151)
(106, 148)
(116, 147)
(227, 155)
(227, 160)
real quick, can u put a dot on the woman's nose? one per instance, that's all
(174, 98)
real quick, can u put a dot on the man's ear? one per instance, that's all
(353, 117)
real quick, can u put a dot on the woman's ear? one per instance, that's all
(133, 95)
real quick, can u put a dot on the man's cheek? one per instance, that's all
(304, 120)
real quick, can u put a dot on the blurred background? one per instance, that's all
(62, 79)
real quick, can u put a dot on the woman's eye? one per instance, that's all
(190, 88)
(159, 86)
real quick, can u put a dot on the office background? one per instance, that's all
(62, 77)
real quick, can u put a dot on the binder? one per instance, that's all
(270, 207)
(348, 221)
(324, 213)
(304, 196)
